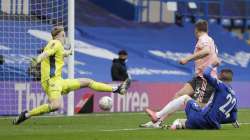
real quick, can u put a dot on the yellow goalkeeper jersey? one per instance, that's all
(52, 66)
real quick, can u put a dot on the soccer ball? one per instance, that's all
(105, 103)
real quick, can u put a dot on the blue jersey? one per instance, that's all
(223, 108)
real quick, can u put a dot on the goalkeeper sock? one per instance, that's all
(45, 108)
(97, 86)
(172, 107)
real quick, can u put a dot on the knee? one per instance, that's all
(186, 90)
(177, 94)
(85, 82)
(181, 94)
(55, 105)
(186, 98)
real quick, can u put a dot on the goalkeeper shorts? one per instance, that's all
(55, 87)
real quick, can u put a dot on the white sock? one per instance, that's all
(114, 88)
(172, 106)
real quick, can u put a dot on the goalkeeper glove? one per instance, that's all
(68, 52)
(34, 62)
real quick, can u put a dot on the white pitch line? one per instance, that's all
(246, 123)
(98, 114)
(124, 129)
(243, 123)
(134, 129)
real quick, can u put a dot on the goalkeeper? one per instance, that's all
(52, 62)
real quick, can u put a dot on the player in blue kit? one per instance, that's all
(222, 108)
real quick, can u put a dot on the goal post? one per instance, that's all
(71, 39)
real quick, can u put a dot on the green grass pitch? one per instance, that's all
(114, 126)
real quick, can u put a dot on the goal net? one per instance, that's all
(24, 29)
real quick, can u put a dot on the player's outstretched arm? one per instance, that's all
(198, 55)
(211, 80)
(39, 58)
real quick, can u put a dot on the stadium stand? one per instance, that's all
(154, 51)
(165, 47)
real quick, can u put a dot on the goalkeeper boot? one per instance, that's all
(21, 118)
(152, 115)
(123, 87)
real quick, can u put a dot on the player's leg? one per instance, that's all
(54, 94)
(53, 105)
(97, 86)
(102, 87)
(194, 119)
(185, 92)
(187, 89)
(194, 89)
(169, 109)
(45, 108)
(53, 90)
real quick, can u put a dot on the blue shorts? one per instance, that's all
(195, 117)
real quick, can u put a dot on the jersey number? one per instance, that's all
(230, 100)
